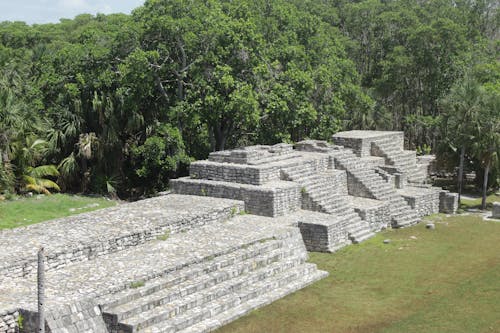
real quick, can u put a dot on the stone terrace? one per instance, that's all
(85, 236)
(232, 239)
(152, 266)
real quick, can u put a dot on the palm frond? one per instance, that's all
(37, 188)
(43, 171)
(47, 183)
(68, 166)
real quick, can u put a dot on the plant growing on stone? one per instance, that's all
(165, 236)
(20, 321)
(136, 284)
(234, 210)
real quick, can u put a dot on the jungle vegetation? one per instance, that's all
(120, 104)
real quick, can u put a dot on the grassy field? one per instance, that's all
(476, 203)
(25, 211)
(423, 281)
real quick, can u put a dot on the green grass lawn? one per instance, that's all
(442, 280)
(25, 211)
(476, 203)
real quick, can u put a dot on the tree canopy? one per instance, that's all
(121, 103)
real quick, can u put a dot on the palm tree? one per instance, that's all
(461, 107)
(487, 144)
(35, 179)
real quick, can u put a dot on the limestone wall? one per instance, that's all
(375, 212)
(496, 210)
(428, 162)
(361, 141)
(76, 317)
(422, 200)
(273, 199)
(9, 321)
(323, 236)
(235, 173)
(448, 202)
(357, 188)
(335, 182)
(253, 155)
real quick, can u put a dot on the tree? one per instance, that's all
(486, 147)
(461, 108)
(35, 179)
(159, 158)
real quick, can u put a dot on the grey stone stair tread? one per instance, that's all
(180, 276)
(229, 292)
(235, 313)
(185, 288)
(241, 308)
(115, 272)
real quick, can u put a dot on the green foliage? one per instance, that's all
(35, 179)
(20, 321)
(165, 236)
(424, 150)
(122, 102)
(160, 157)
(136, 284)
(233, 212)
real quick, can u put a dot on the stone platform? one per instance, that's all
(233, 237)
(86, 236)
(185, 252)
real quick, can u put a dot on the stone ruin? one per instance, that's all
(232, 237)
(361, 184)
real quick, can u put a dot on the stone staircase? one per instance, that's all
(320, 193)
(191, 281)
(202, 296)
(370, 184)
(394, 155)
(403, 160)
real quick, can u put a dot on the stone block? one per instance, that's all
(496, 210)
(448, 202)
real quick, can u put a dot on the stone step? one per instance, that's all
(323, 184)
(169, 311)
(231, 298)
(402, 215)
(343, 208)
(360, 231)
(221, 319)
(322, 193)
(173, 288)
(177, 277)
(359, 238)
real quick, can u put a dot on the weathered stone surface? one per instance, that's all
(448, 202)
(423, 200)
(240, 241)
(496, 210)
(232, 239)
(86, 236)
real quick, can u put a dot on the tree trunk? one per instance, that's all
(485, 184)
(221, 133)
(41, 291)
(220, 139)
(461, 172)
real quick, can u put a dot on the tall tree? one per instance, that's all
(461, 108)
